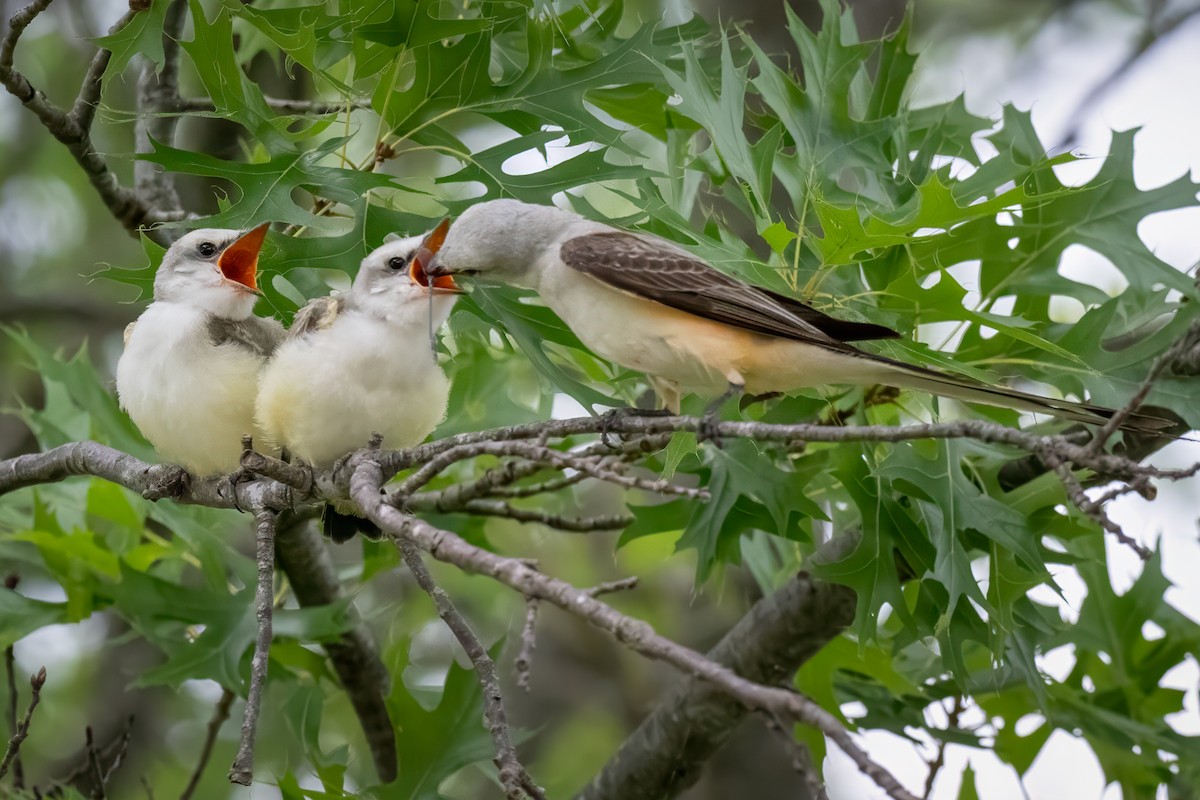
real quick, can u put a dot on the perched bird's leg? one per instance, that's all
(711, 421)
(241, 474)
(748, 400)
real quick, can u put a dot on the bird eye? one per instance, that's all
(397, 262)
(206, 249)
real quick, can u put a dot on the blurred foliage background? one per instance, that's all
(865, 186)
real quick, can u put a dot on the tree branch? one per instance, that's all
(282, 105)
(36, 682)
(220, 714)
(664, 756)
(305, 560)
(513, 777)
(156, 95)
(633, 633)
(73, 129)
(497, 508)
(10, 672)
(242, 770)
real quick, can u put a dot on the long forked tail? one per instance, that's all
(908, 376)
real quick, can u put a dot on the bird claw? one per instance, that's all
(168, 481)
(239, 475)
(709, 430)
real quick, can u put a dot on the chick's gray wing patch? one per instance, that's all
(258, 335)
(318, 315)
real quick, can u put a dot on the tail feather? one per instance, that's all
(909, 376)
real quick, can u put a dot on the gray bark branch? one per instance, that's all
(665, 754)
(242, 770)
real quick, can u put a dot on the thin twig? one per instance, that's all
(1164, 360)
(281, 104)
(120, 750)
(1093, 510)
(523, 664)
(36, 682)
(242, 770)
(220, 714)
(497, 508)
(516, 781)
(97, 773)
(939, 760)
(800, 756)
(591, 465)
(10, 671)
(608, 587)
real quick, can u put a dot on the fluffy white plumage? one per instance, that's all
(189, 372)
(357, 365)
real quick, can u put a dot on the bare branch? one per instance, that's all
(72, 129)
(220, 714)
(590, 465)
(1091, 508)
(305, 559)
(83, 111)
(242, 770)
(497, 508)
(939, 760)
(10, 672)
(97, 773)
(513, 777)
(609, 587)
(633, 633)
(156, 94)
(523, 663)
(36, 682)
(280, 104)
(663, 757)
(1165, 359)
(799, 754)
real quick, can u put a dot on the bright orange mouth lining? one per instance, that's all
(239, 261)
(425, 253)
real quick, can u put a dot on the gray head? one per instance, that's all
(212, 269)
(500, 241)
(391, 283)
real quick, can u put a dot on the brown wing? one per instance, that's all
(258, 335)
(318, 315)
(659, 272)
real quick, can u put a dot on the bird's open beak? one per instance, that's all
(422, 271)
(239, 261)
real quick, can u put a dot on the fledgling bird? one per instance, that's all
(649, 305)
(359, 363)
(189, 373)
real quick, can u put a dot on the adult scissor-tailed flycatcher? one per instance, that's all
(649, 305)
(189, 372)
(356, 364)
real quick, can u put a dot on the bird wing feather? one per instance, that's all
(661, 272)
(258, 335)
(318, 315)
